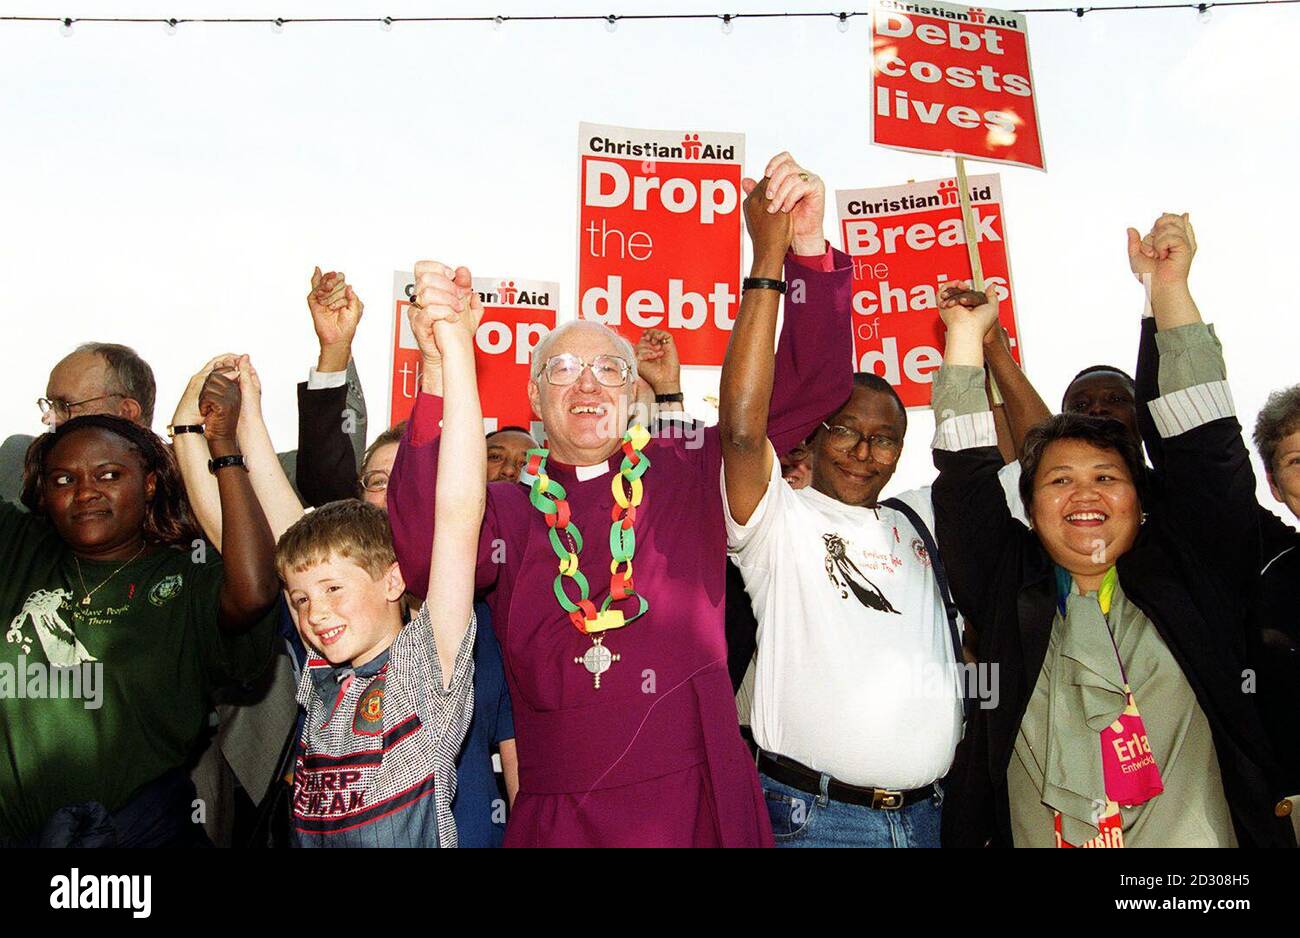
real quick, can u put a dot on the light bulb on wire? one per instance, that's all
(65, 28)
(843, 25)
(497, 21)
(611, 23)
(277, 25)
(386, 24)
(726, 23)
(169, 27)
(1203, 12)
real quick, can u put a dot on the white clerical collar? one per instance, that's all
(587, 473)
(583, 473)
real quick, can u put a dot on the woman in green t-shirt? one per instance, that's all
(120, 626)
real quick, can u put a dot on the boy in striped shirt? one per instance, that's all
(388, 705)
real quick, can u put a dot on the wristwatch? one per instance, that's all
(222, 462)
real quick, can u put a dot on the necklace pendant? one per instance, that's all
(86, 601)
(598, 658)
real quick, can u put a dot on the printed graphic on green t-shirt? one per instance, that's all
(100, 698)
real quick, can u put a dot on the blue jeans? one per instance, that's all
(800, 819)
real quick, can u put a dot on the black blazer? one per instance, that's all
(1191, 571)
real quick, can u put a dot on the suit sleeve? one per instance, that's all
(1209, 487)
(327, 463)
(1147, 389)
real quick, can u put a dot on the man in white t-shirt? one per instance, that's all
(856, 701)
(857, 708)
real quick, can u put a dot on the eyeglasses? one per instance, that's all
(609, 370)
(883, 449)
(63, 409)
(376, 480)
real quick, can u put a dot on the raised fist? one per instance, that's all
(657, 361)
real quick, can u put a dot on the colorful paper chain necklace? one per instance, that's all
(549, 497)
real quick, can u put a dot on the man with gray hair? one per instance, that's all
(96, 378)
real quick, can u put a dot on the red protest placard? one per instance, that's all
(659, 224)
(516, 315)
(904, 242)
(953, 80)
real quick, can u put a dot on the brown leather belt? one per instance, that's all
(796, 775)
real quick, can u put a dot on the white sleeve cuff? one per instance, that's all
(1180, 411)
(966, 431)
(319, 380)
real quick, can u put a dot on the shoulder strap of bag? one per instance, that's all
(941, 581)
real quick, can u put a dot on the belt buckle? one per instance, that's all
(882, 799)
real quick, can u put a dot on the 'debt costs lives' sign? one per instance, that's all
(904, 242)
(516, 315)
(659, 224)
(954, 80)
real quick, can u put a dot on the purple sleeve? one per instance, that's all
(411, 490)
(814, 355)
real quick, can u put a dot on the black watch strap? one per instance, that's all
(223, 462)
(185, 428)
(763, 283)
(670, 398)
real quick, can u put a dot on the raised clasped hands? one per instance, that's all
(1164, 257)
(444, 308)
(335, 313)
(785, 209)
(964, 308)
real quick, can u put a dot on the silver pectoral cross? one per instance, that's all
(597, 659)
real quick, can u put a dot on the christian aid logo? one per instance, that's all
(948, 192)
(691, 146)
(507, 294)
(494, 337)
(976, 15)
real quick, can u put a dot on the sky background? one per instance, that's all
(174, 192)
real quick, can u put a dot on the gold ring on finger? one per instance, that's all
(803, 176)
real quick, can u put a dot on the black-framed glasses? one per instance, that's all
(376, 480)
(63, 409)
(565, 369)
(881, 448)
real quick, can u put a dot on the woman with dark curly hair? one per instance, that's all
(120, 625)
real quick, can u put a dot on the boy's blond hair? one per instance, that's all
(350, 529)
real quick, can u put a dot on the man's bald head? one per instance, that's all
(103, 378)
